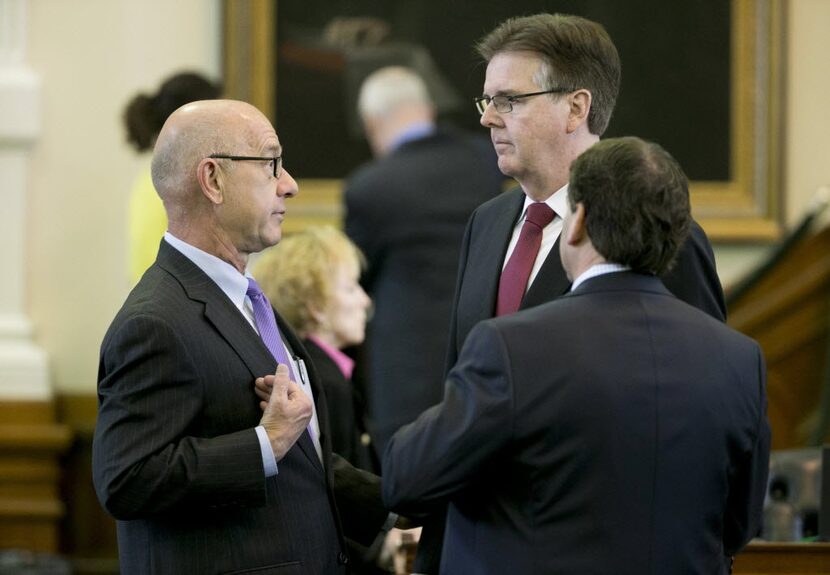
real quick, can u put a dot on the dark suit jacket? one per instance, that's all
(345, 412)
(693, 279)
(176, 459)
(635, 441)
(407, 213)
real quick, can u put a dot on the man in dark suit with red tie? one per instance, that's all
(617, 429)
(198, 477)
(549, 92)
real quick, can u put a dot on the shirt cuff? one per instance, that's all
(391, 519)
(269, 462)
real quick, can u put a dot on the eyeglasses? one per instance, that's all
(277, 161)
(504, 104)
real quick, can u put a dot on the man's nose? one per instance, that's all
(490, 117)
(287, 185)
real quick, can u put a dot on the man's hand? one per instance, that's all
(286, 412)
(263, 387)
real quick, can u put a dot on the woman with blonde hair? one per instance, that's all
(312, 279)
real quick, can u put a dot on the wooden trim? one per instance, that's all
(30, 508)
(26, 412)
(87, 533)
(748, 206)
(783, 558)
(31, 425)
(31, 443)
(319, 203)
(27, 438)
(249, 42)
(78, 411)
(785, 298)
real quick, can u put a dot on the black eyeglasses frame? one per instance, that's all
(506, 102)
(276, 159)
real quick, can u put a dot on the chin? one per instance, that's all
(273, 238)
(507, 167)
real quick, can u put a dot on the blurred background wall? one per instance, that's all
(92, 56)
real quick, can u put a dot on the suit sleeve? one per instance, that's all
(442, 452)
(145, 460)
(748, 487)
(357, 493)
(694, 277)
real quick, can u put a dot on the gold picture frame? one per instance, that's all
(746, 207)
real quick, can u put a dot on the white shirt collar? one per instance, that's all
(227, 277)
(598, 270)
(558, 202)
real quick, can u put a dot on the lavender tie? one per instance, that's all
(267, 325)
(270, 334)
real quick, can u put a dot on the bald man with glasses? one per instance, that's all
(201, 476)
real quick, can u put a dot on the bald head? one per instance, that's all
(189, 135)
(216, 167)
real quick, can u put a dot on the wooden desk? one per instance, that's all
(783, 558)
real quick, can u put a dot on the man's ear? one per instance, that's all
(210, 180)
(575, 230)
(580, 108)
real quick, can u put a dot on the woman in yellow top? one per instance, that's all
(143, 117)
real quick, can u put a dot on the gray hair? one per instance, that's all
(390, 87)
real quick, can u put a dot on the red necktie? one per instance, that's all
(514, 277)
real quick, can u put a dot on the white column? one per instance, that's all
(23, 365)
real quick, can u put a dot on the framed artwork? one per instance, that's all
(701, 78)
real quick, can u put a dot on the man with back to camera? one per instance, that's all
(633, 442)
(406, 210)
(550, 89)
(200, 479)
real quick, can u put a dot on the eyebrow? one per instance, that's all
(502, 93)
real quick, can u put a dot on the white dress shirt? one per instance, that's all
(558, 202)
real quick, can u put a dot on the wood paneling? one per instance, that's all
(87, 534)
(788, 312)
(784, 559)
(31, 444)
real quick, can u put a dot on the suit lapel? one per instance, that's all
(550, 283)
(232, 326)
(219, 311)
(492, 242)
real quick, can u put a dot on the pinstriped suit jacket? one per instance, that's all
(176, 459)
